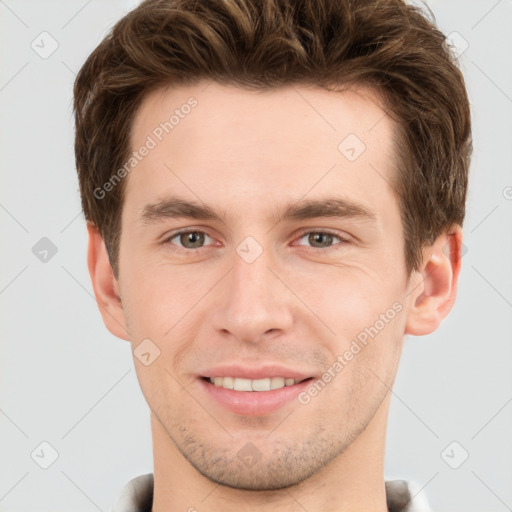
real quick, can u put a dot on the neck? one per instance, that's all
(353, 482)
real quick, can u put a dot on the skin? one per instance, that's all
(299, 304)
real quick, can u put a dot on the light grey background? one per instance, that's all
(66, 381)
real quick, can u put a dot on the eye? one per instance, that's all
(188, 239)
(194, 239)
(322, 239)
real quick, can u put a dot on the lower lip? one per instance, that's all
(254, 403)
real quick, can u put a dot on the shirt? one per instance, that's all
(401, 496)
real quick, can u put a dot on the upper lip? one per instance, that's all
(253, 373)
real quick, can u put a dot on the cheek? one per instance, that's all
(368, 318)
(156, 298)
(351, 298)
(365, 361)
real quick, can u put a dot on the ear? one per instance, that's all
(105, 285)
(435, 289)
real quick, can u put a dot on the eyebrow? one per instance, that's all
(174, 207)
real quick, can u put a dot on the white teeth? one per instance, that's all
(242, 385)
(227, 382)
(261, 385)
(239, 384)
(276, 382)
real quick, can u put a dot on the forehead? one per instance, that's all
(222, 143)
(286, 115)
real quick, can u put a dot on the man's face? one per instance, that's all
(264, 292)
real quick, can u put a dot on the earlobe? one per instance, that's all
(435, 290)
(105, 285)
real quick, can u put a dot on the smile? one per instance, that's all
(253, 397)
(240, 384)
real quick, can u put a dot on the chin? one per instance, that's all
(267, 477)
(283, 463)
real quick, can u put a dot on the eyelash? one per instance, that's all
(342, 241)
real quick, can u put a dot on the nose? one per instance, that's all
(253, 302)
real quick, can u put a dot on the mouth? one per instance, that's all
(253, 397)
(258, 385)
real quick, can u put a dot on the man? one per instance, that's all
(274, 192)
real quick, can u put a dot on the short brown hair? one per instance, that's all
(264, 44)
